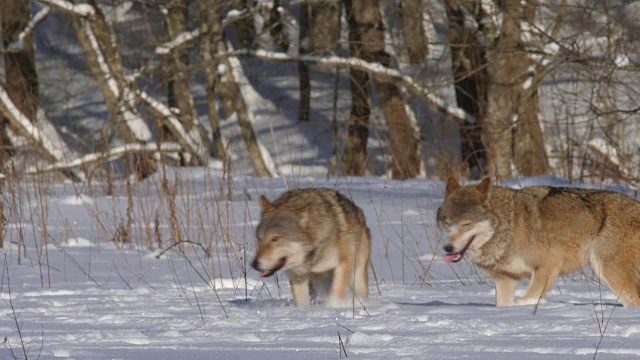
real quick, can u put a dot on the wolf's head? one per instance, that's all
(463, 216)
(282, 242)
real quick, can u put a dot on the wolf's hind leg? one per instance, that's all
(542, 281)
(362, 258)
(623, 283)
(342, 276)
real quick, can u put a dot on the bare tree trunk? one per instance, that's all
(404, 139)
(325, 27)
(469, 70)
(413, 30)
(179, 91)
(354, 159)
(303, 68)
(512, 130)
(208, 49)
(529, 152)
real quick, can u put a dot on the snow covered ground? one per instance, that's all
(67, 291)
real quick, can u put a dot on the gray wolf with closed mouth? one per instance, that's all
(541, 233)
(320, 239)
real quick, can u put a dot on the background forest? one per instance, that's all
(400, 88)
(148, 129)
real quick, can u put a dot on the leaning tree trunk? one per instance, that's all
(404, 138)
(105, 63)
(469, 69)
(230, 92)
(179, 91)
(19, 67)
(19, 107)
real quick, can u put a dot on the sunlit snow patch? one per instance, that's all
(77, 200)
(77, 242)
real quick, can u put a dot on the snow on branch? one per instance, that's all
(184, 137)
(27, 128)
(181, 39)
(374, 68)
(35, 20)
(110, 155)
(135, 123)
(83, 10)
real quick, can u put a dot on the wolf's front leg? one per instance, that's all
(300, 292)
(505, 289)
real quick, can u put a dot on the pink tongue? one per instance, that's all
(264, 273)
(450, 258)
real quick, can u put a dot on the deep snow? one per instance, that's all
(90, 299)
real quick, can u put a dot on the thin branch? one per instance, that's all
(381, 71)
(109, 155)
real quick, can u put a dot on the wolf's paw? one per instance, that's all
(531, 301)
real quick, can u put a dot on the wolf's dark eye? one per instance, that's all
(275, 239)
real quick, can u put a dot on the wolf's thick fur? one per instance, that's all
(315, 235)
(541, 233)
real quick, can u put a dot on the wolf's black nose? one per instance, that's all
(448, 248)
(255, 264)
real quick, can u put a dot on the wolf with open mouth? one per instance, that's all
(320, 239)
(541, 233)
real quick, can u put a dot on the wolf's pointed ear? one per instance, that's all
(452, 184)
(484, 186)
(265, 205)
